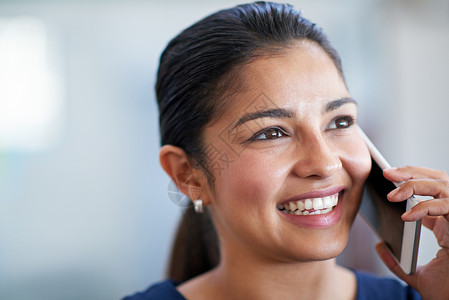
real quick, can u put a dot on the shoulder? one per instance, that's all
(370, 287)
(163, 290)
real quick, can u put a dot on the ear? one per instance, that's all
(189, 180)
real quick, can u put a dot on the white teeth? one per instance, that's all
(335, 200)
(326, 210)
(308, 204)
(292, 206)
(306, 212)
(319, 205)
(327, 202)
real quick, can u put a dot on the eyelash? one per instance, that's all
(265, 131)
(256, 137)
(349, 119)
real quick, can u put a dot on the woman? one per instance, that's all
(259, 130)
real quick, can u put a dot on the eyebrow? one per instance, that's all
(277, 113)
(281, 113)
(335, 104)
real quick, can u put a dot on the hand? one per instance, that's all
(431, 280)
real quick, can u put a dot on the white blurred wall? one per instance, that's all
(87, 215)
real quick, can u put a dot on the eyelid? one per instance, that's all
(258, 133)
(351, 121)
(350, 118)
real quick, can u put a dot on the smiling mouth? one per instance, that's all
(310, 206)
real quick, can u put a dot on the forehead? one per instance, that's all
(301, 75)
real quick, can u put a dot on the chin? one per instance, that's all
(329, 251)
(318, 250)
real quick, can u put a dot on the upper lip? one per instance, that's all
(317, 194)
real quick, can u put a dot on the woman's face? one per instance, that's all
(287, 159)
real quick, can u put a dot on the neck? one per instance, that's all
(252, 278)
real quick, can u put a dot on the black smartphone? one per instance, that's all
(384, 216)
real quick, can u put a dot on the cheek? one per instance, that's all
(250, 179)
(243, 204)
(356, 160)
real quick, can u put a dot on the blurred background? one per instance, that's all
(84, 210)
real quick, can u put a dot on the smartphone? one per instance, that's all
(384, 217)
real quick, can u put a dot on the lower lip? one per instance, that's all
(318, 221)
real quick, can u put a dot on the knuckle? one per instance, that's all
(407, 187)
(411, 170)
(445, 204)
(408, 184)
(444, 242)
(444, 182)
(443, 175)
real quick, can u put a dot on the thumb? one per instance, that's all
(391, 262)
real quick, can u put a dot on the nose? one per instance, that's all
(317, 157)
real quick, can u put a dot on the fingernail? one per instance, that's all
(392, 193)
(404, 215)
(390, 169)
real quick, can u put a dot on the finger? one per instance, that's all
(438, 188)
(429, 222)
(440, 229)
(391, 262)
(410, 172)
(434, 207)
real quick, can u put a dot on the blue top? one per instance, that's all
(369, 287)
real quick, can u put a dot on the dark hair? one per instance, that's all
(196, 74)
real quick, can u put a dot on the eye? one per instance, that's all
(341, 122)
(271, 133)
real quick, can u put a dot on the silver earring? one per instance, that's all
(198, 205)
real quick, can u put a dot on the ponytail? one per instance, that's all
(195, 248)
